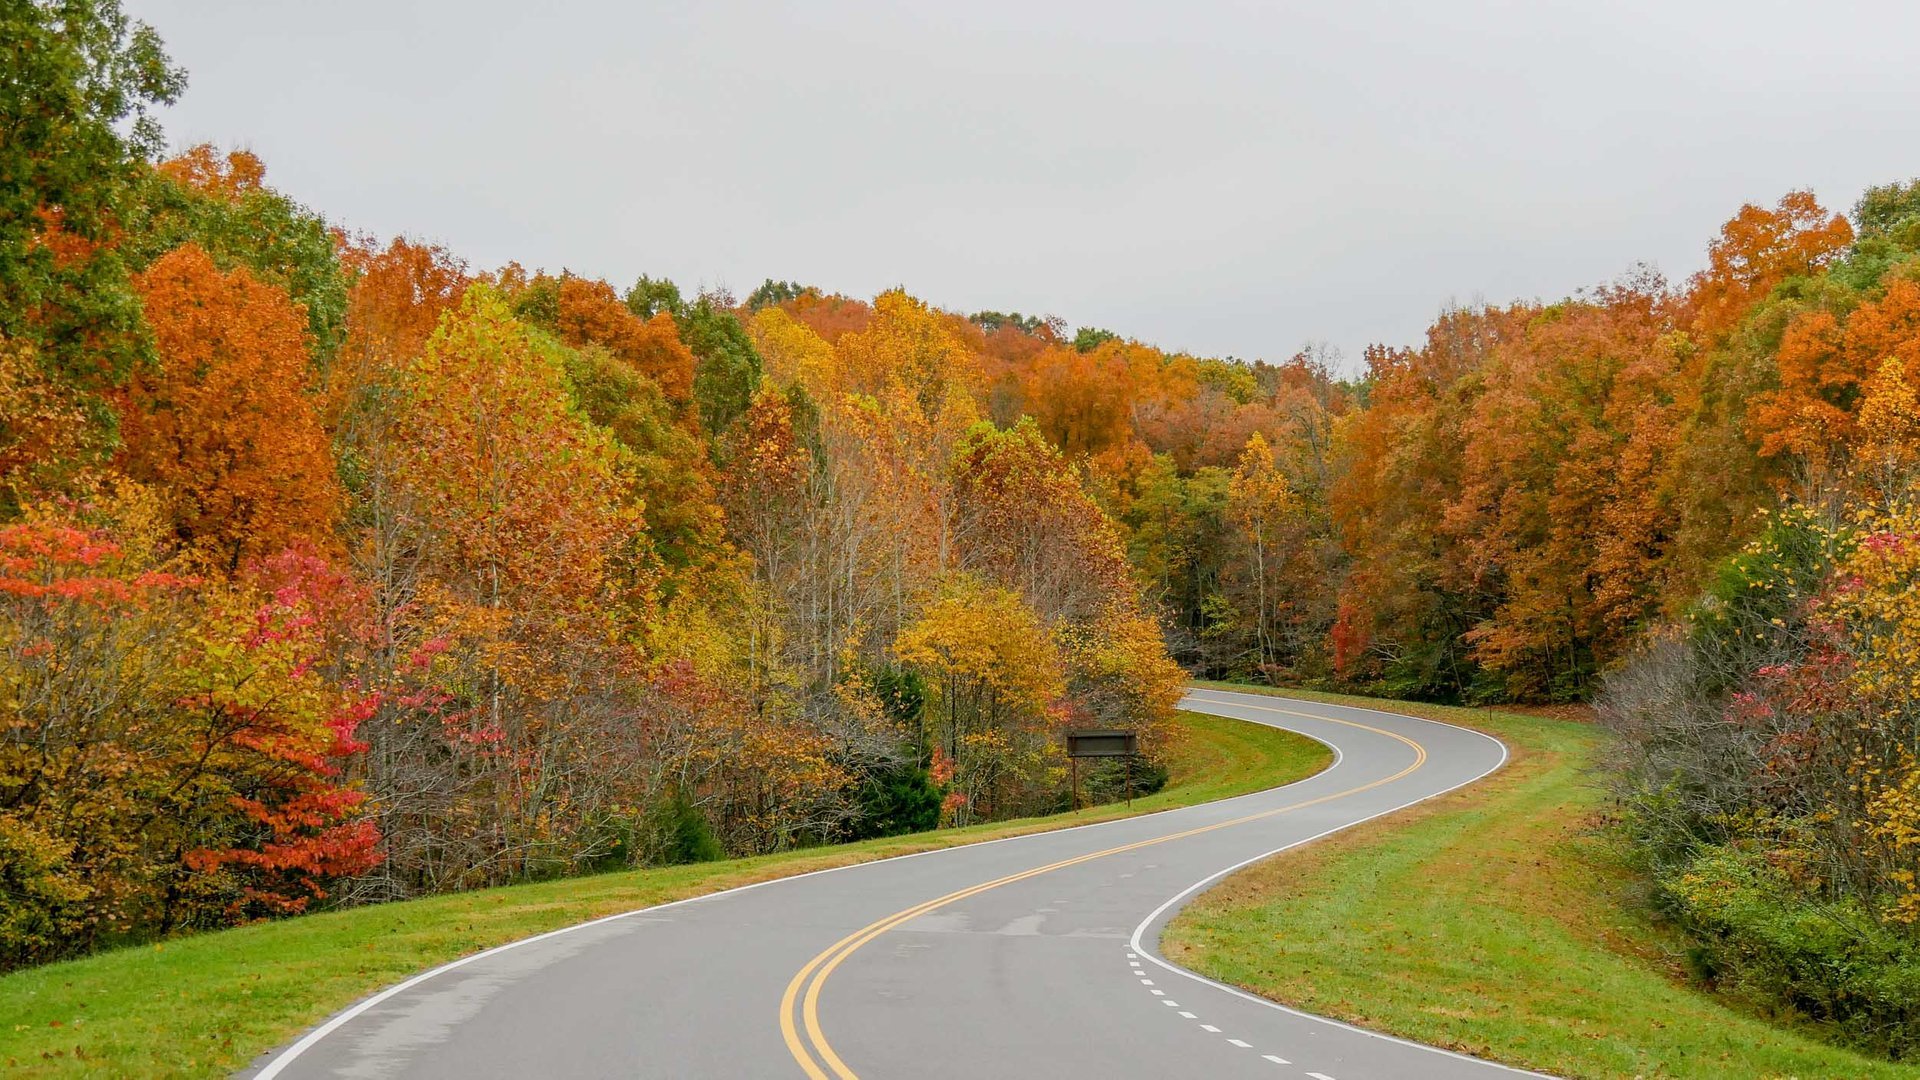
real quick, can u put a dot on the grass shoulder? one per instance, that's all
(206, 1005)
(1493, 921)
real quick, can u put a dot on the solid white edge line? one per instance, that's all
(306, 1042)
(1134, 942)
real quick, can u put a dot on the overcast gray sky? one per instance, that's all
(1219, 177)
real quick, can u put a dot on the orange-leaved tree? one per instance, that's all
(227, 425)
(1759, 248)
(1825, 360)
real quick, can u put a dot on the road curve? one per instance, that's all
(1029, 957)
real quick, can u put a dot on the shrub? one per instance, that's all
(1830, 962)
(681, 833)
(894, 800)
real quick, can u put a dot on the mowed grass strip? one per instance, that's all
(1492, 921)
(206, 1005)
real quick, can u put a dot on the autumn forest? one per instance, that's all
(335, 569)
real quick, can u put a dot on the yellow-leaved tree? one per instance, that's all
(1886, 450)
(1266, 514)
(1876, 606)
(994, 676)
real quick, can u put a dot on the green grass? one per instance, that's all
(206, 1005)
(1494, 921)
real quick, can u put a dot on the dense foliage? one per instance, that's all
(332, 570)
(336, 570)
(1770, 758)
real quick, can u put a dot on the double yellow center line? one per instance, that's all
(800, 1005)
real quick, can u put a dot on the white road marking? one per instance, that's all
(278, 1065)
(273, 1068)
(1189, 1016)
(1158, 993)
(1135, 941)
(1242, 1044)
(1146, 982)
(1210, 1027)
(1276, 1059)
(1170, 1001)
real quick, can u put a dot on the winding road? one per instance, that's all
(1029, 957)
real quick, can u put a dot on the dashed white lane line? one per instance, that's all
(1241, 1043)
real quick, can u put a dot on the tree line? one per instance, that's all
(334, 569)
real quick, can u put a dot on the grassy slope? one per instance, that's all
(205, 1005)
(1490, 921)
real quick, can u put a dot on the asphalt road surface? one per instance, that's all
(1029, 957)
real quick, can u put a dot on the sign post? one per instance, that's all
(1101, 743)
